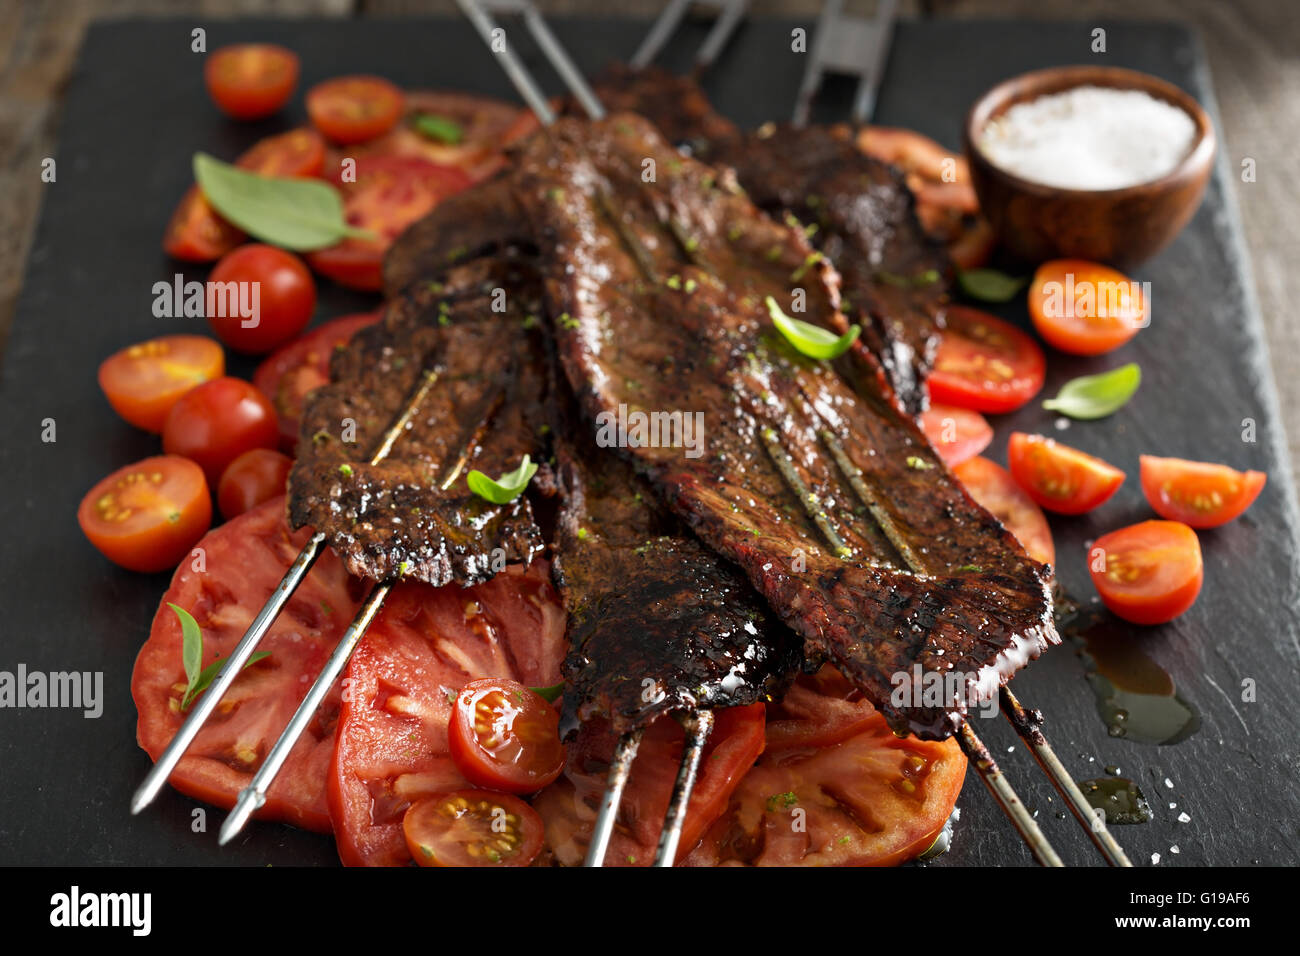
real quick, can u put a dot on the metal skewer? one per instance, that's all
(620, 768)
(849, 45)
(730, 13)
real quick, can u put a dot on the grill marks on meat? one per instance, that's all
(859, 539)
(485, 410)
(648, 602)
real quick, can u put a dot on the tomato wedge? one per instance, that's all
(389, 194)
(996, 492)
(817, 711)
(353, 109)
(1085, 308)
(984, 363)
(472, 828)
(147, 516)
(401, 686)
(251, 80)
(568, 805)
(289, 375)
(1148, 573)
(1061, 478)
(242, 562)
(1198, 493)
(871, 799)
(956, 433)
(143, 381)
(505, 736)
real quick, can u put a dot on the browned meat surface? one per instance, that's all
(657, 622)
(674, 103)
(810, 478)
(412, 514)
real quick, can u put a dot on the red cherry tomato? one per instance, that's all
(984, 363)
(505, 736)
(389, 194)
(273, 281)
(218, 421)
(1148, 573)
(1061, 478)
(252, 478)
(251, 80)
(147, 516)
(956, 433)
(297, 153)
(143, 381)
(1198, 493)
(295, 370)
(472, 828)
(996, 492)
(353, 109)
(1084, 308)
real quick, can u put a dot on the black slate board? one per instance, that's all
(135, 112)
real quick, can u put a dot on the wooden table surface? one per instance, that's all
(1252, 47)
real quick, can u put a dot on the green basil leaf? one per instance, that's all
(438, 128)
(209, 674)
(989, 285)
(1096, 396)
(298, 214)
(549, 694)
(191, 650)
(811, 340)
(506, 488)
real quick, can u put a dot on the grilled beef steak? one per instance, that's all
(810, 478)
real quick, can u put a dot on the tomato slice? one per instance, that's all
(297, 153)
(147, 516)
(289, 375)
(353, 109)
(1061, 478)
(216, 422)
(956, 433)
(872, 799)
(505, 736)
(196, 233)
(389, 194)
(1198, 493)
(817, 711)
(401, 686)
(1148, 573)
(984, 363)
(242, 564)
(251, 80)
(472, 828)
(143, 381)
(254, 477)
(1085, 308)
(568, 806)
(996, 492)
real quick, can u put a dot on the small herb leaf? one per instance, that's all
(989, 285)
(438, 128)
(549, 694)
(1096, 396)
(298, 214)
(811, 340)
(198, 680)
(506, 488)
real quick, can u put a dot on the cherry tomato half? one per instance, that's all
(1085, 308)
(297, 153)
(218, 421)
(1198, 493)
(254, 477)
(251, 80)
(472, 828)
(1061, 478)
(353, 109)
(984, 363)
(996, 492)
(505, 736)
(1148, 573)
(389, 194)
(956, 433)
(143, 381)
(147, 516)
(276, 283)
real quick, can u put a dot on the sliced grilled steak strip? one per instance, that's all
(486, 410)
(659, 289)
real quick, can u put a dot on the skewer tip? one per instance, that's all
(249, 800)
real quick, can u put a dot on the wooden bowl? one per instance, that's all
(1121, 227)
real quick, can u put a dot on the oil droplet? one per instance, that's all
(1120, 799)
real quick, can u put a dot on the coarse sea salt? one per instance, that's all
(1090, 137)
